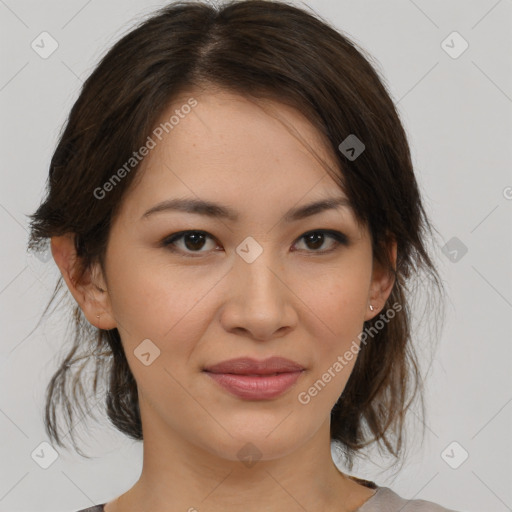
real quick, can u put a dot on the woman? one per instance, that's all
(233, 207)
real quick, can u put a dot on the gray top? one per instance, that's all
(384, 500)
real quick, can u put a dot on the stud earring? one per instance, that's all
(371, 308)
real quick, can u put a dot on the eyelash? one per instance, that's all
(340, 239)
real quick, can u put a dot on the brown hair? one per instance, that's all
(260, 49)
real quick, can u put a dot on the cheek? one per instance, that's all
(169, 313)
(337, 298)
(336, 301)
(154, 300)
(336, 320)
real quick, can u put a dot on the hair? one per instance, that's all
(260, 49)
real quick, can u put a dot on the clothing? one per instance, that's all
(384, 500)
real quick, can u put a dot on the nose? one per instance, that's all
(260, 301)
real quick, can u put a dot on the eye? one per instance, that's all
(317, 238)
(190, 242)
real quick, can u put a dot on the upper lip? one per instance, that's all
(249, 366)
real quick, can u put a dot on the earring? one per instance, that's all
(371, 308)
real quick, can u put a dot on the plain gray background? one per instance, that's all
(457, 110)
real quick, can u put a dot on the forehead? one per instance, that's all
(230, 126)
(236, 148)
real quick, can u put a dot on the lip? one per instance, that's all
(250, 366)
(256, 380)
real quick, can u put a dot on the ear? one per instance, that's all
(90, 291)
(382, 282)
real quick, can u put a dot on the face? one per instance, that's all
(188, 290)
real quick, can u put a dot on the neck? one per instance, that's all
(180, 476)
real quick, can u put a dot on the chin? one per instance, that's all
(250, 444)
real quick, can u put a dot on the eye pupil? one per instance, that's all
(197, 238)
(315, 238)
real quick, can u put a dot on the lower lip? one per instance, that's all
(256, 388)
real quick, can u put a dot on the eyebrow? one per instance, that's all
(215, 210)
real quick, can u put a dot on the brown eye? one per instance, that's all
(192, 241)
(316, 239)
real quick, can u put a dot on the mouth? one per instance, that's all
(251, 379)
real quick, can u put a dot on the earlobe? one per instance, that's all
(89, 290)
(382, 282)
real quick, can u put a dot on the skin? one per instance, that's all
(213, 306)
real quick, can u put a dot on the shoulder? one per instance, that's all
(386, 500)
(95, 508)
